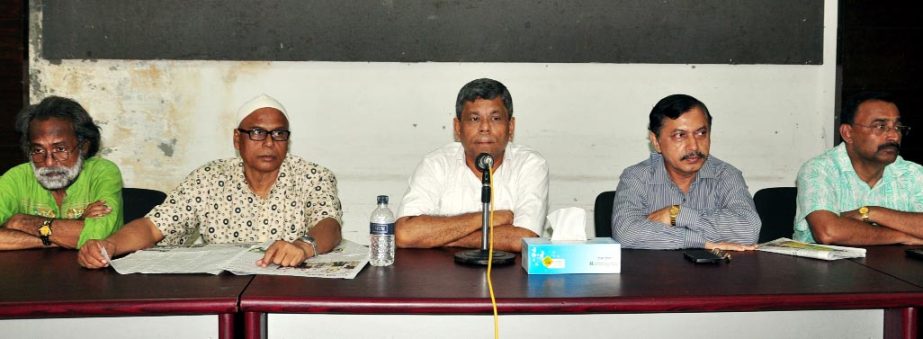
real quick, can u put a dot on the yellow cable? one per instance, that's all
(490, 257)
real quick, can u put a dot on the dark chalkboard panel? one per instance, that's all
(573, 31)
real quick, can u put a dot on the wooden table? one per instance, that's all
(48, 283)
(892, 260)
(427, 282)
(426, 289)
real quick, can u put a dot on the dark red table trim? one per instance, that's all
(901, 323)
(741, 303)
(119, 308)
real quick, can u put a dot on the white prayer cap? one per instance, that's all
(261, 101)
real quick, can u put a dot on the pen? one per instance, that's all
(105, 254)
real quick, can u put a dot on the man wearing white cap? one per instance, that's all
(262, 194)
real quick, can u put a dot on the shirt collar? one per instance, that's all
(842, 159)
(281, 180)
(507, 154)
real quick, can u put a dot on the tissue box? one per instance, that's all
(597, 255)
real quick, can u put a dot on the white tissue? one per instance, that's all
(568, 224)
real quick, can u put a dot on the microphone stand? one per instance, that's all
(480, 257)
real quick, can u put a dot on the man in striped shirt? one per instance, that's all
(681, 197)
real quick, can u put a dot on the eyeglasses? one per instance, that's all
(58, 153)
(259, 134)
(882, 128)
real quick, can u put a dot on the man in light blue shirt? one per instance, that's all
(862, 192)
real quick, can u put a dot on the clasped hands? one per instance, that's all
(663, 216)
(29, 224)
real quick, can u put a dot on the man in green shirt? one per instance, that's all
(862, 192)
(63, 196)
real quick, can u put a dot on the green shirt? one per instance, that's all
(828, 182)
(100, 179)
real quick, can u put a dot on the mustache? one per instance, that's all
(51, 171)
(894, 145)
(693, 154)
(57, 177)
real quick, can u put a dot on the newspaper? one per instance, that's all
(816, 251)
(343, 262)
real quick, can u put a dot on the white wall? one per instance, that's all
(866, 324)
(372, 122)
(147, 327)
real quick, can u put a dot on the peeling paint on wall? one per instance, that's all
(167, 148)
(150, 112)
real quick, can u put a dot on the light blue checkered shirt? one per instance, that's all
(828, 182)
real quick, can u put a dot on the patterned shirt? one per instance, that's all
(216, 202)
(444, 185)
(718, 207)
(828, 182)
(99, 179)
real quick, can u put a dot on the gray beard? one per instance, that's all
(55, 178)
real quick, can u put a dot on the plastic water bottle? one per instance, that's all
(381, 234)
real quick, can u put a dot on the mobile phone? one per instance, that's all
(916, 253)
(701, 256)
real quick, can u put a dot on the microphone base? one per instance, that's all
(479, 258)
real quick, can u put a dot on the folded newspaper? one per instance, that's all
(344, 262)
(816, 251)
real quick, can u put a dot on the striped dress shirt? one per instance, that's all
(717, 208)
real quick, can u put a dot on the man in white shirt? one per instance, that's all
(442, 206)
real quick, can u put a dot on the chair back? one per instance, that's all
(776, 207)
(136, 202)
(602, 213)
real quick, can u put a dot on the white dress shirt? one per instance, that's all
(443, 185)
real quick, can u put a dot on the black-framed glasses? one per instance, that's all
(58, 153)
(882, 128)
(259, 134)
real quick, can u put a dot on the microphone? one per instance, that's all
(484, 161)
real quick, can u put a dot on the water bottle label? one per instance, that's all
(376, 228)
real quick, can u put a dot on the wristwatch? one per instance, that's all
(674, 212)
(44, 232)
(864, 213)
(308, 239)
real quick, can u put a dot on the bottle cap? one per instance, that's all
(382, 199)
